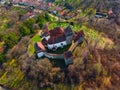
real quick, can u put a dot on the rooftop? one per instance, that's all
(56, 31)
(39, 47)
(68, 30)
(79, 34)
(57, 39)
(68, 55)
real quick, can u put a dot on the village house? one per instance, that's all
(27, 3)
(100, 15)
(39, 49)
(111, 14)
(50, 0)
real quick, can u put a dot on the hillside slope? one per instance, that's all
(96, 64)
(98, 5)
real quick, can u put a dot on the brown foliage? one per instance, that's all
(18, 49)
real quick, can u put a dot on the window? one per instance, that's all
(62, 45)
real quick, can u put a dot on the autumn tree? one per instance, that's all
(10, 39)
(18, 49)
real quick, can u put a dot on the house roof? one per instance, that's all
(57, 30)
(99, 14)
(68, 6)
(68, 55)
(50, 0)
(79, 34)
(62, 13)
(45, 32)
(39, 47)
(56, 39)
(110, 12)
(1, 49)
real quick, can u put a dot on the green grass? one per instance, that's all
(33, 40)
(36, 38)
(90, 34)
(15, 78)
(57, 24)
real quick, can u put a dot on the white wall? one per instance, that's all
(41, 54)
(47, 37)
(1, 88)
(50, 46)
(67, 62)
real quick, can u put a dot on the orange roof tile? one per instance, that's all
(41, 45)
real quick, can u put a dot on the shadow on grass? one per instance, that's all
(58, 62)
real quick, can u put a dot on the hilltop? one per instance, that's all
(96, 63)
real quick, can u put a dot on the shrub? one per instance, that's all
(2, 58)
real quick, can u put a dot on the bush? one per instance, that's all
(2, 58)
(9, 24)
(47, 17)
(40, 20)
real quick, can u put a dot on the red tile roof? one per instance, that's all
(57, 30)
(1, 49)
(40, 45)
(37, 48)
(110, 12)
(62, 13)
(57, 39)
(79, 34)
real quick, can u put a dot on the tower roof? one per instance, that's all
(68, 55)
(68, 30)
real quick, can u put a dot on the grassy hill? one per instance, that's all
(15, 74)
(97, 5)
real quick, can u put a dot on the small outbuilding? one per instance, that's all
(39, 49)
(68, 57)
